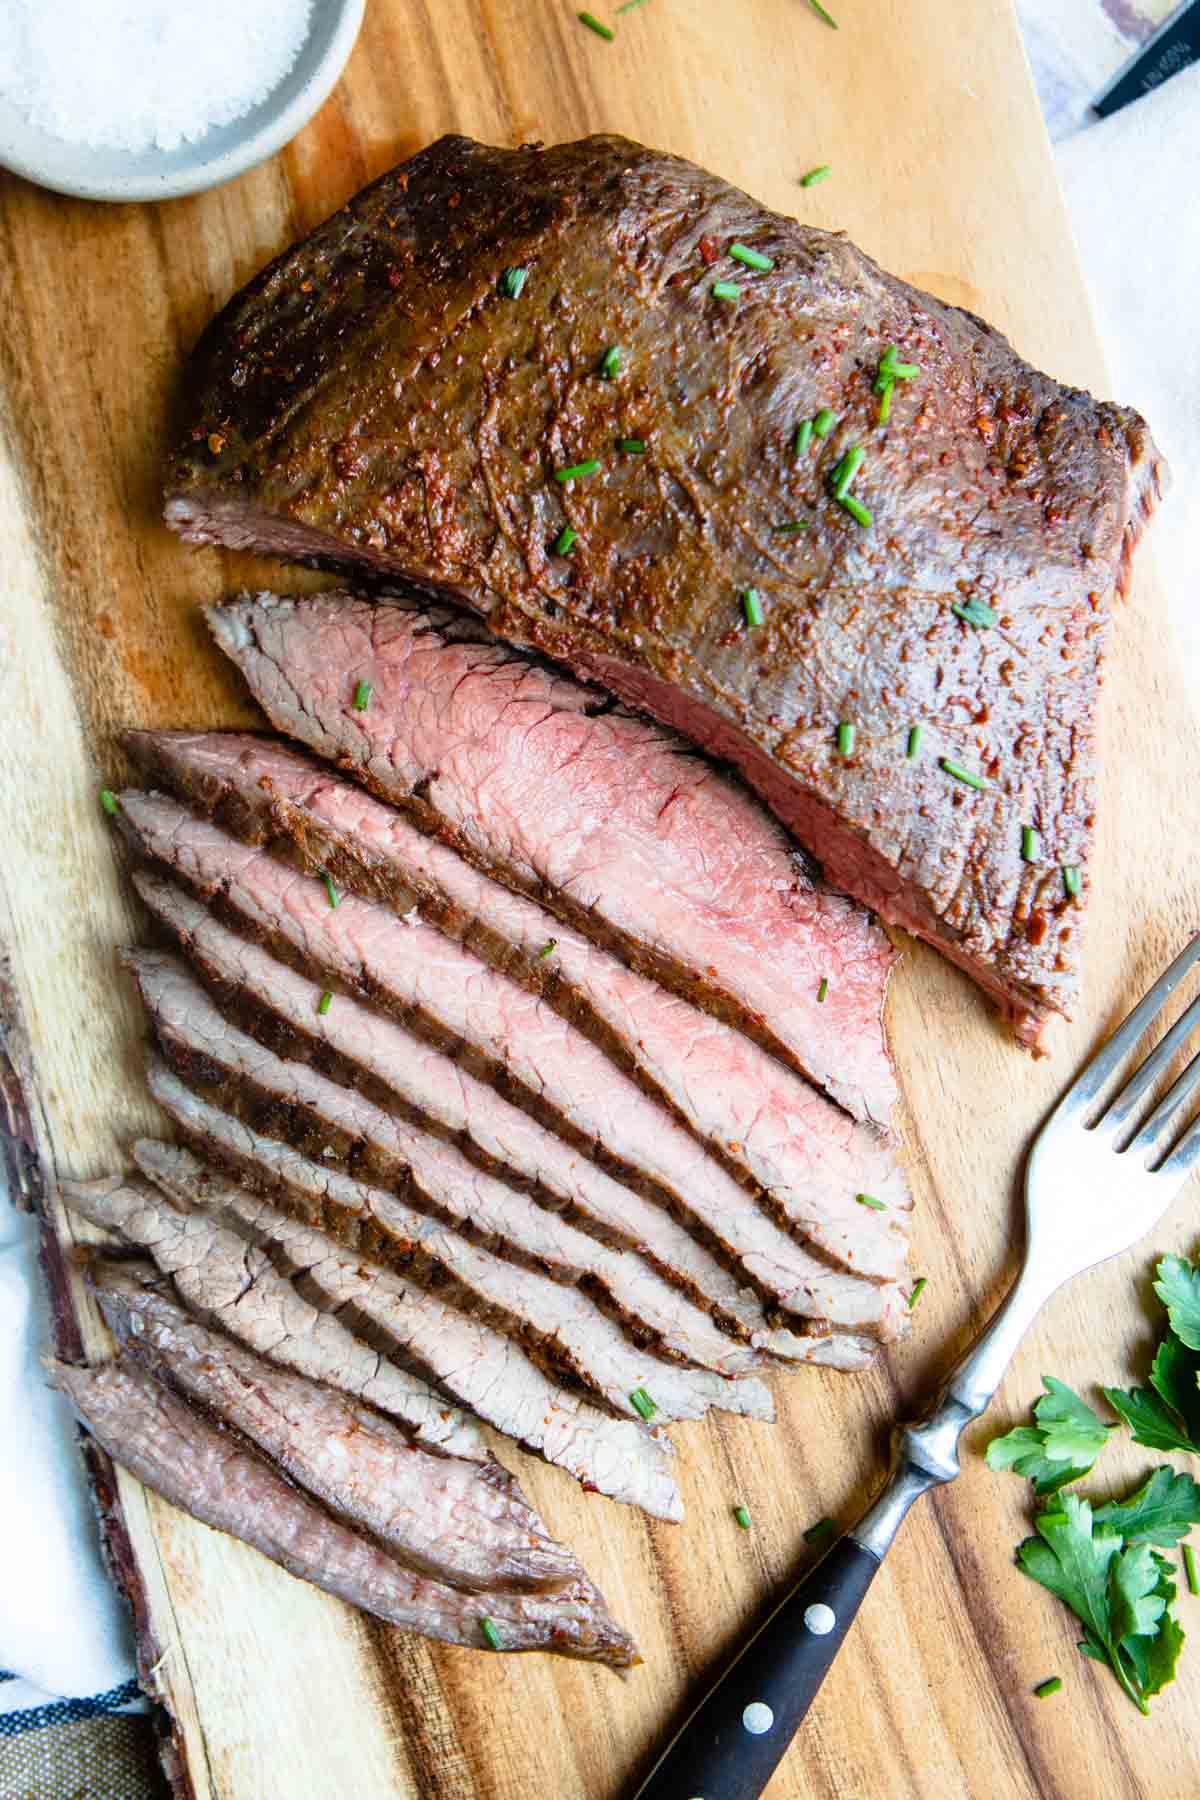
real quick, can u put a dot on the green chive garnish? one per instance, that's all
(1031, 844)
(975, 612)
(512, 281)
(726, 290)
(845, 738)
(844, 472)
(858, 512)
(109, 801)
(815, 175)
(891, 369)
(790, 528)
(804, 436)
(642, 1403)
(1072, 880)
(630, 5)
(919, 1286)
(597, 25)
(577, 470)
(752, 607)
(753, 259)
(1189, 1564)
(820, 1530)
(547, 949)
(362, 696)
(1044, 1689)
(491, 1635)
(742, 1516)
(822, 14)
(610, 362)
(824, 422)
(822, 990)
(885, 402)
(632, 446)
(324, 1003)
(961, 774)
(566, 540)
(914, 741)
(334, 896)
(870, 1200)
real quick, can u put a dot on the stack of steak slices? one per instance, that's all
(522, 1065)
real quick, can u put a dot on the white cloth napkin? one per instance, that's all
(1130, 185)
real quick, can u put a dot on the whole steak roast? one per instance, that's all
(908, 674)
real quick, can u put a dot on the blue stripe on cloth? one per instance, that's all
(7, 1675)
(63, 1712)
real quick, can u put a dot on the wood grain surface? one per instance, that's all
(941, 170)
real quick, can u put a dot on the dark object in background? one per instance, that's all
(1174, 46)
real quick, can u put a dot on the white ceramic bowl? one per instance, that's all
(223, 152)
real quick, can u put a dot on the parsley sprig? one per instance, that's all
(1062, 1446)
(1166, 1415)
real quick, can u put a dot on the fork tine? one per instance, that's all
(1185, 1156)
(1122, 1108)
(1106, 1061)
(1166, 1113)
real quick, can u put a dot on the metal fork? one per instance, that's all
(1095, 1182)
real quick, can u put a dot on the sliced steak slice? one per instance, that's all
(309, 1112)
(373, 398)
(460, 1522)
(809, 1160)
(382, 1064)
(427, 1167)
(297, 1288)
(216, 1477)
(611, 822)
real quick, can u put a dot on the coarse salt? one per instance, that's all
(144, 74)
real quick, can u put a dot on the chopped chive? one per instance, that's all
(790, 528)
(1031, 844)
(919, 1286)
(566, 540)
(814, 175)
(914, 741)
(822, 990)
(975, 612)
(109, 801)
(324, 1003)
(824, 422)
(742, 1516)
(1189, 1564)
(885, 401)
(753, 259)
(845, 738)
(820, 1530)
(961, 774)
(491, 1635)
(898, 371)
(1072, 880)
(630, 5)
(752, 607)
(870, 1200)
(576, 470)
(632, 446)
(845, 470)
(334, 896)
(1044, 1689)
(642, 1403)
(804, 436)
(610, 362)
(596, 25)
(726, 290)
(547, 949)
(512, 281)
(858, 512)
(822, 14)
(362, 696)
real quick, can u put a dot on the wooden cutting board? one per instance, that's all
(941, 170)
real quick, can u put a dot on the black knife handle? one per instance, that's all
(737, 1736)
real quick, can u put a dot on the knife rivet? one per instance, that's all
(820, 1619)
(758, 1718)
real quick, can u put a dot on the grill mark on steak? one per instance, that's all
(707, 895)
(990, 482)
(820, 1159)
(215, 1477)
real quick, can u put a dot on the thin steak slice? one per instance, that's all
(765, 1124)
(297, 1287)
(374, 398)
(306, 1111)
(216, 1477)
(611, 822)
(366, 1053)
(819, 1158)
(460, 1522)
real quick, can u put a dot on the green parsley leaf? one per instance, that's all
(1062, 1446)
(1135, 1605)
(1162, 1511)
(1166, 1415)
(1178, 1287)
(1154, 1659)
(1075, 1561)
(1152, 1424)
